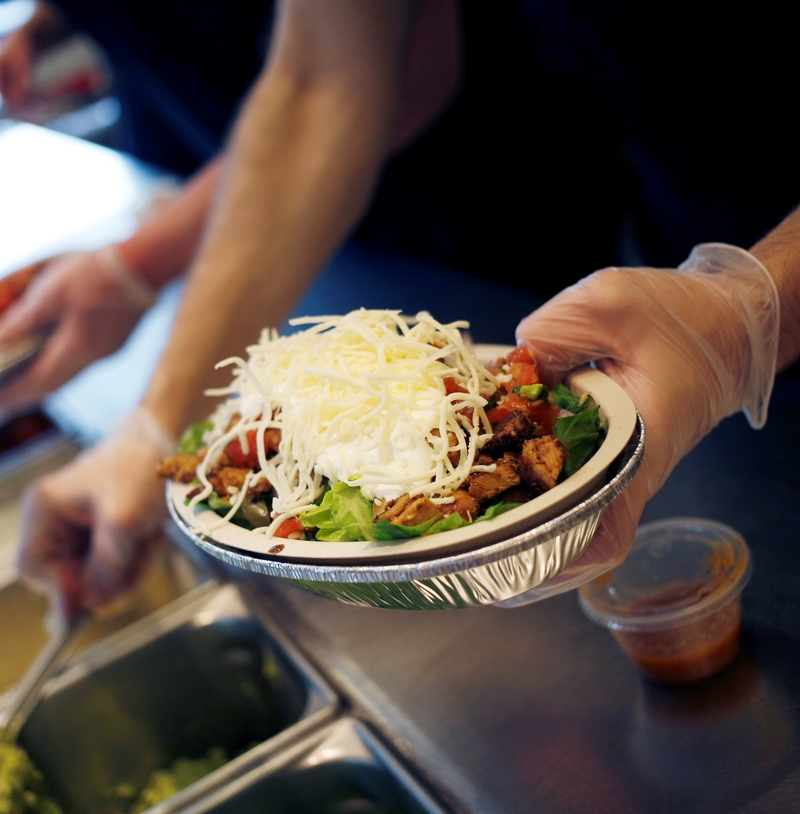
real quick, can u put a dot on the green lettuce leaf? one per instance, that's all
(343, 515)
(566, 399)
(582, 435)
(192, 439)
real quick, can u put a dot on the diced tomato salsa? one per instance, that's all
(290, 526)
(523, 371)
(240, 458)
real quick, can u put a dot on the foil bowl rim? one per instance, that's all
(404, 572)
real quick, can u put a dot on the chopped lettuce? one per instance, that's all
(345, 515)
(582, 435)
(566, 399)
(192, 438)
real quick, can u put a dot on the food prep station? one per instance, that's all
(325, 706)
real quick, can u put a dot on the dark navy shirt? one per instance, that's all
(586, 134)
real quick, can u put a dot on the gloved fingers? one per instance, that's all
(37, 309)
(62, 356)
(577, 325)
(607, 549)
(117, 557)
(87, 527)
(614, 536)
(52, 547)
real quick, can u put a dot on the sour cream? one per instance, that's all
(361, 398)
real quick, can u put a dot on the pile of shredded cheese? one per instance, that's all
(359, 398)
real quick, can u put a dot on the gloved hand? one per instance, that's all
(91, 527)
(689, 346)
(88, 303)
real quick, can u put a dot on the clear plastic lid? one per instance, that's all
(679, 569)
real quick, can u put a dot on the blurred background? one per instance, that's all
(64, 188)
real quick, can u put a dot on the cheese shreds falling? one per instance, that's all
(360, 398)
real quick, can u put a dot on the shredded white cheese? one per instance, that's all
(359, 398)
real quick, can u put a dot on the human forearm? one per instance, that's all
(164, 247)
(302, 163)
(779, 252)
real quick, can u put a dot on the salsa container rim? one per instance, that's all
(675, 616)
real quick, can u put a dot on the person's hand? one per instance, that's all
(87, 303)
(689, 346)
(91, 527)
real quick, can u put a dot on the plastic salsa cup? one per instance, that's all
(674, 605)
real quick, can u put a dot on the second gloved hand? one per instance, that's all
(87, 303)
(90, 527)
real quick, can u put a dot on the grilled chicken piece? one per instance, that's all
(180, 467)
(454, 455)
(521, 493)
(272, 440)
(225, 477)
(259, 487)
(484, 486)
(542, 460)
(511, 433)
(410, 511)
(464, 504)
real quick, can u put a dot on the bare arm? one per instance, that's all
(302, 165)
(164, 247)
(779, 251)
(304, 157)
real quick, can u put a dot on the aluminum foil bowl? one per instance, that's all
(500, 573)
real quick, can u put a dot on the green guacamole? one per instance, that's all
(22, 785)
(163, 783)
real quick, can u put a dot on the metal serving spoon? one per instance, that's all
(14, 714)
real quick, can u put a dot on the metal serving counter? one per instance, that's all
(535, 709)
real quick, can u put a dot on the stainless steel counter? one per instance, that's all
(535, 709)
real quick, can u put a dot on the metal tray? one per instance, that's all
(201, 673)
(25, 613)
(496, 573)
(343, 769)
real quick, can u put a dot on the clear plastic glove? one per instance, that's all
(87, 303)
(689, 346)
(91, 527)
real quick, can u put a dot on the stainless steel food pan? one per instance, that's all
(497, 573)
(202, 673)
(343, 769)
